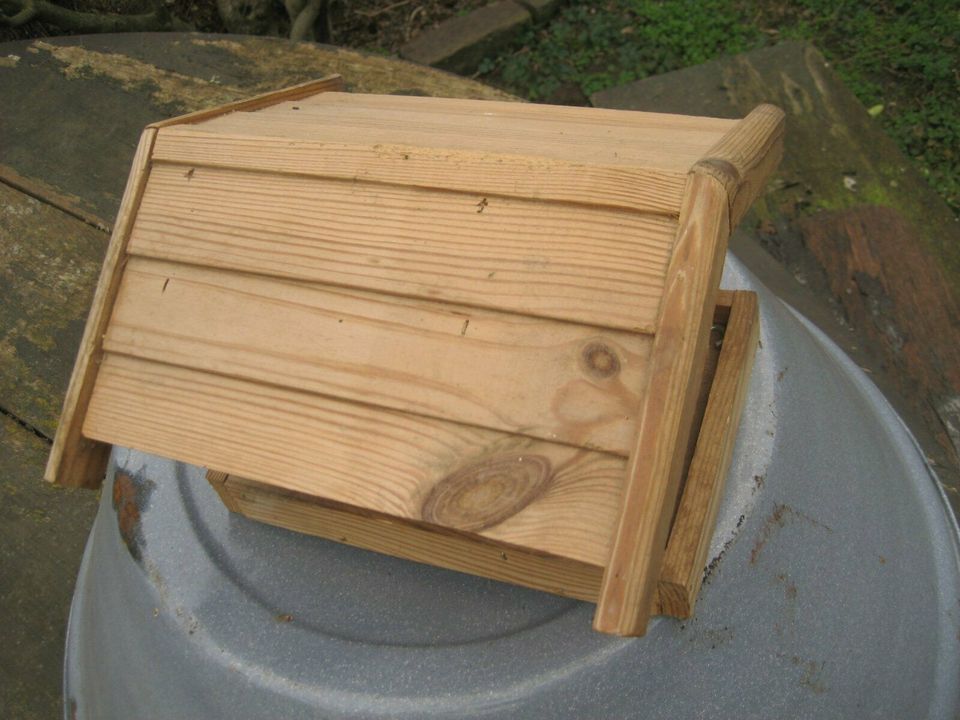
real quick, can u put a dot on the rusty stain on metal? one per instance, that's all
(779, 518)
(130, 496)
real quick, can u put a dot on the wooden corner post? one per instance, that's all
(76, 461)
(720, 187)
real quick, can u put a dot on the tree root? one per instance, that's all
(14, 13)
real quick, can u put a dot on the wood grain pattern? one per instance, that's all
(74, 460)
(686, 553)
(600, 267)
(479, 173)
(676, 361)
(433, 545)
(556, 381)
(218, 481)
(411, 540)
(374, 459)
(589, 136)
(745, 157)
(257, 102)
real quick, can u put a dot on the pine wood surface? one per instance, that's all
(411, 539)
(584, 135)
(74, 460)
(676, 363)
(549, 497)
(745, 157)
(557, 381)
(686, 553)
(596, 266)
(481, 174)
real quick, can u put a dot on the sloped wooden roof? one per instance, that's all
(381, 299)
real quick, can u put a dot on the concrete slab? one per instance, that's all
(49, 264)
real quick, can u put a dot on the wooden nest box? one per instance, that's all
(466, 333)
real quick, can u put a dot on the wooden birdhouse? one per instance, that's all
(473, 334)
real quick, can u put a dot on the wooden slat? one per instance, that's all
(661, 142)
(601, 267)
(257, 102)
(686, 553)
(486, 174)
(414, 541)
(676, 361)
(745, 157)
(556, 381)
(74, 460)
(547, 497)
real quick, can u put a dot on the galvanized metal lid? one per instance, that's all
(834, 591)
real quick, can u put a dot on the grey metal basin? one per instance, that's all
(834, 591)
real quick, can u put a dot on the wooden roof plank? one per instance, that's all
(484, 174)
(586, 265)
(553, 498)
(558, 381)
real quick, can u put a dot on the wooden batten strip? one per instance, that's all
(481, 174)
(331, 83)
(745, 157)
(686, 553)
(74, 460)
(676, 361)
(419, 542)
(632, 143)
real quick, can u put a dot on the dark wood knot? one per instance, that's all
(486, 493)
(599, 361)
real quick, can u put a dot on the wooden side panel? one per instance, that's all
(258, 102)
(548, 497)
(686, 553)
(418, 542)
(556, 381)
(676, 362)
(74, 460)
(482, 174)
(600, 267)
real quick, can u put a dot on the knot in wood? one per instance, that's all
(600, 361)
(486, 493)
